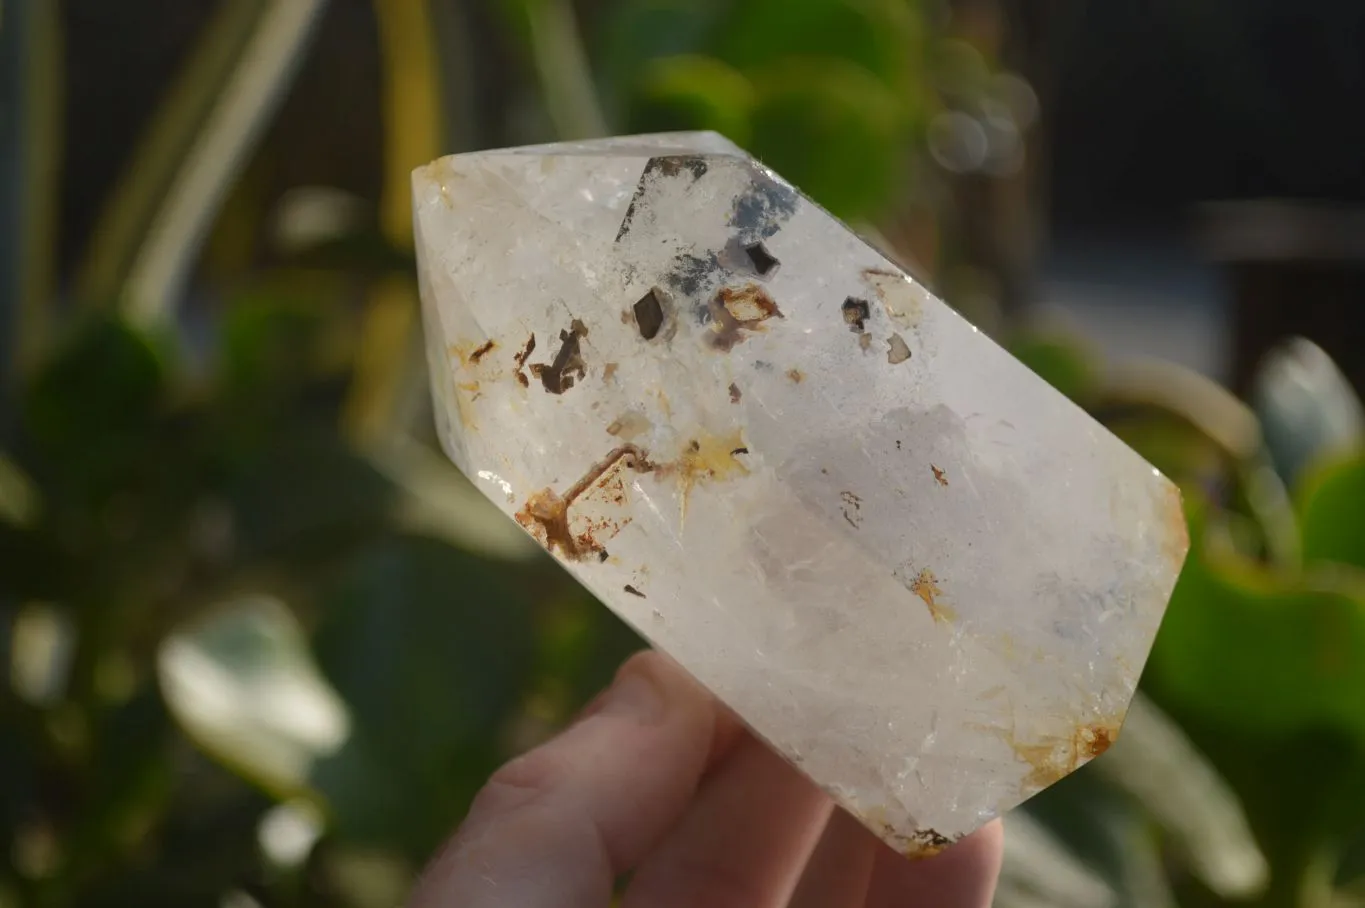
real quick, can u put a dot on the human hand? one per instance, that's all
(657, 779)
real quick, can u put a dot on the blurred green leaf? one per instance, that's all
(308, 494)
(365, 877)
(243, 685)
(42, 641)
(1108, 834)
(833, 129)
(1331, 506)
(880, 37)
(580, 645)
(1171, 444)
(1154, 386)
(1260, 651)
(439, 501)
(1263, 495)
(1155, 764)
(1039, 872)
(561, 64)
(1303, 793)
(1061, 361)
(694, 92)
(1351, 869)
(125, 791)
(20, 499)
(636, 32)
(279, 344)
(105, 380)
(1194, 397)
(431, 648)
(120, 470)
(415, 616)
(1307, 407)
(270, 345)
(204, 844)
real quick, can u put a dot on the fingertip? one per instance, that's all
(672, 679)
(991, 838)
(979, 854)
(685, 692)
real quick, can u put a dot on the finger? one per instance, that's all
(964, 876)
(727, 733)
(557, 825)
(840, 868)
(742, 842)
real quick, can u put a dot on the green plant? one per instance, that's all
(230, 575)
(1239, 777)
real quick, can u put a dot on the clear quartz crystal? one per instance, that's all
(921, 574)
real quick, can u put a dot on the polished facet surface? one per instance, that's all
(921, 574)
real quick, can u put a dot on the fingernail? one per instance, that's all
(635, 694)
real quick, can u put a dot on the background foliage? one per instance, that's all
(262, 643)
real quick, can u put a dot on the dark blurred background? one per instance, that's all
(1153, 110)
(262, 643)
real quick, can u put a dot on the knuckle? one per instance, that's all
(517, 784)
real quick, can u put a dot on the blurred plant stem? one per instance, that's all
(561, 64)
(132, 205)
(147, 240)
(411, 108)
(30, 153)
(387, 356)
(31, 92)
(1156, 764)
(1306, 882)
(389, 368)
(458, 88)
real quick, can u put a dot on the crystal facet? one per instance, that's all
(922, 575)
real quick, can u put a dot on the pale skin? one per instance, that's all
(657, 780)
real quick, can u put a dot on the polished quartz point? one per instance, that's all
(917, 571)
